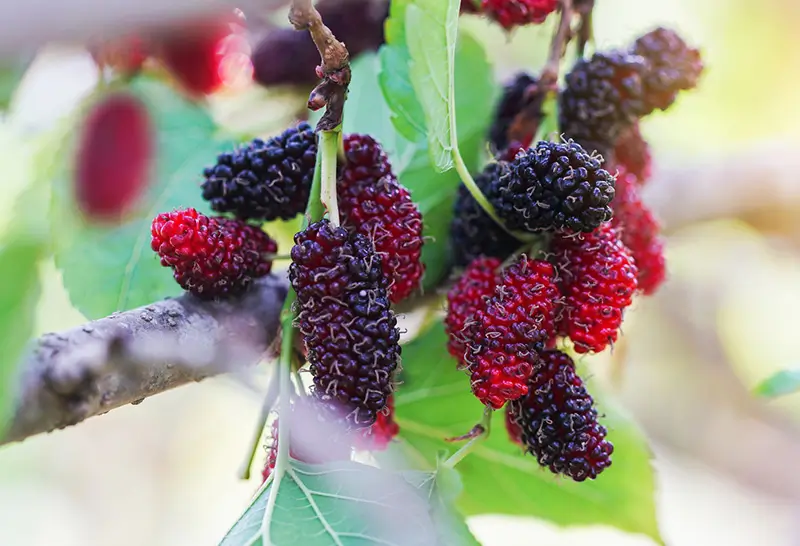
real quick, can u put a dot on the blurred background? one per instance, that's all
(726, 185)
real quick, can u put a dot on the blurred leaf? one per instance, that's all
(435, 402)
(10, 76)
(782, 383)
(107, 269)
(431, 32)
(347, 504)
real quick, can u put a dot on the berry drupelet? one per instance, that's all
(673, 66)
(558, 423)
(372, 202)
(472, 231)
(476, 284)
(603, 95)
(632, 152)
(553, 186)
(517, 94)
(265, 180)
(350, 333)
(598, 280)
(211, 257)
(508, 332)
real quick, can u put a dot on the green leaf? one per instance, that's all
(347, 504)
(431, 32)
(435, 402)
(782, 383)
(113, 269)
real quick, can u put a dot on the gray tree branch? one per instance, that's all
(124, 358)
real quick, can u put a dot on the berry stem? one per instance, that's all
(266, 406)
(315, 210)
(284, 366)
(558, 46)
(467, 448)
(469, 182)
(328, 149)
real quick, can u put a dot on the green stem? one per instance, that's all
(467, 448)
(473, 188)
(315, 210)
(284, 410)
(266, 408)
(328, 149)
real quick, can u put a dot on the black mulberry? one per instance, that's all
(516, 95)
(350, 332)
(553, 186)
(558, 422)
(673, 66)
(473, 232)
(603, 96)
(264, 180)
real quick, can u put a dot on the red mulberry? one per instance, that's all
(553, 186)
(598, 279)
(673, 66)
(350, 333)
(558, 422)
(511, 13)
(476, 284)
(211, 257)
(512, 428)
(264, 180)
(632, 153)
(512, 328)
(375, 204)
(474, 233)
(640, 232)
(383, 431)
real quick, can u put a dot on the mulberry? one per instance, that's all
(264, 180)
(673, 66)
(516, 96)
(598, 279)
(476, 284)
(640, 232)
(512, 428)
(602, 96)
(350, 333)
(511, 13)
(375, 204)
(510, 330)
(632, 153)
(211, 257)
(378, 436)
(554, 186)
(474, 233)
(558, 422)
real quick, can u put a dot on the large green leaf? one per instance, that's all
(347, 503)
(431, 32)
(11, 74)
(435, 403)
(111, 269)
(780, 384)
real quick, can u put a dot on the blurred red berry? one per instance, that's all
(114, 157)
(125, 55)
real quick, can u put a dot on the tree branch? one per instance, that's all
(126, 357)
(334, 69)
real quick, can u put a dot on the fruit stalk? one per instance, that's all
(328, 149)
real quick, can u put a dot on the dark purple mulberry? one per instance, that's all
(558, 422)
(473, 232)
(553, 186)
(264, 180)
(350, 332)
(673, 66)
(603, 96)
(517, 94)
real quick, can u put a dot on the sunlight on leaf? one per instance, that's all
(783, 383)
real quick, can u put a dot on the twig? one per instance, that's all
(526, 123)
(334, 69)
(585, 9)
(126, 357)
